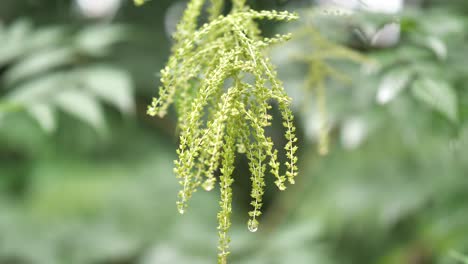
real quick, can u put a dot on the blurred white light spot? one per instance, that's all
(353, 133)
(348, 4)
(312, 128)
(98, 8)
(387, 36)
(384, 96)
(438, 47)
(378, 6)
(392, 84)
(383, 6)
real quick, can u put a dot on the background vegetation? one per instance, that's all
(86, 176)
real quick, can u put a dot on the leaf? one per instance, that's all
(459, 257)
(14, 41)
(408, 24)
(443, 25)
(83, 106)
(44, 115)
(439, 95)
(437, 46)
(37, 90)
(96, 40)
(46, 37)
(39, 62)
(392, 84)
(34, 96)
(112, 85)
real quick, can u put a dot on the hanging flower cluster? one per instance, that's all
(222, 85)
(319, 70)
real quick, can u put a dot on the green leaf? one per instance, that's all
(112, 85)
(39, 63)
(46, 37)
(439, 95)
(408, 24)
(392, 84)
(34, 96)
(443, 25)
(437, 46)
(96, 40)
(37, 90)
(14, 41)
(83, 106)
(459, 257)
(44, 115)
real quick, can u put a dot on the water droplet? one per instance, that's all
(252, 225)
(208, 185)
(180, 208)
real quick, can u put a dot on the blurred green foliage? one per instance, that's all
(49, 68)
(391, 190)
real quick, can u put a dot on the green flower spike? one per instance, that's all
(222, 85)
(320, 70)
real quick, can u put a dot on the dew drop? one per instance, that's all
(208, 185)
(252, 225)
(180, 208)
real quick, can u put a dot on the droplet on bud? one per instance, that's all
(180, 208)
(208, 185)
(252, 225)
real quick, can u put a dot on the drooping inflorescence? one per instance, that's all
(320, 53)
(222, 85)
